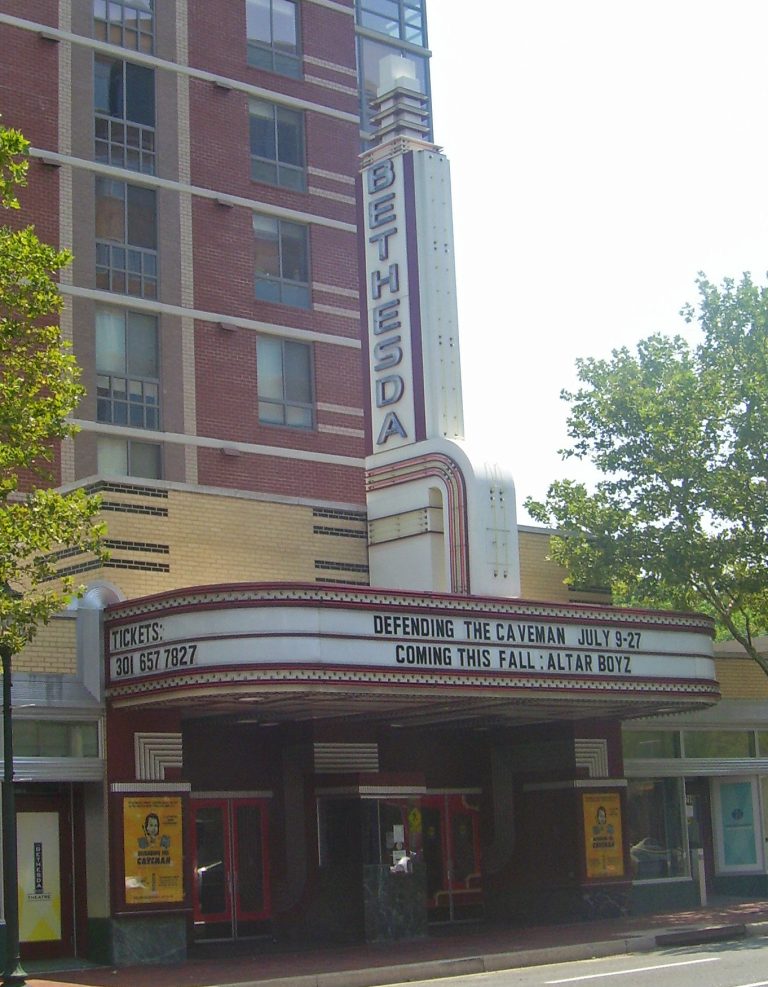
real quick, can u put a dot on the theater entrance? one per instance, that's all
(443, 830)
(231, 887)
(451, 848)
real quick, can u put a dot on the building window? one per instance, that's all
(48, 738)
(277, 145)
(658, 843)
(128, 23)
(281, 261)
(719, 743)
(650, 744)
(400, 19)
(124, 102)
(284, 381)
(370, 55)
(273, 36)
(127, 384)
(125, 457)
(126, 239)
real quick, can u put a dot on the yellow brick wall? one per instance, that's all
(741, 678)
(162, 540)
(183, 538)
(543, 579)
(53, 651)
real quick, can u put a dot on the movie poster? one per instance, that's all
(602, 834)
(154, 858)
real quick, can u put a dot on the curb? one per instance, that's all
(463, 966)
(697, 937)
(400, 973)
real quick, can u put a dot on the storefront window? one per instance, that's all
(658, 845)
(51, 738)
(651, 744)
(719, 743)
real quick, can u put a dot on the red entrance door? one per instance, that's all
(451, 848)
(231, 893)
(45, 869)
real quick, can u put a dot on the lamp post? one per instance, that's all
(13, 973)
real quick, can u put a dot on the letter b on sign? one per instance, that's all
(381, 176)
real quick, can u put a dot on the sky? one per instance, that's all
(603, 152)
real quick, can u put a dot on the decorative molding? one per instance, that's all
(578, 783)
(155, 753)
(592, 754)
(149, 788)
(343, 758)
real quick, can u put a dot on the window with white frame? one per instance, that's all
(124, 105)
(277, 145)
(272, 28)
(281, 256)
(284, 382)
(126, 238)
(127, 375)
(128, 23)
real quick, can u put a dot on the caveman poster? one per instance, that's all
(602, 834)
(152, 841)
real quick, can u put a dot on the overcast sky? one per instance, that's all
(602, 153)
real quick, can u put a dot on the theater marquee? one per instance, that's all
(244, 634)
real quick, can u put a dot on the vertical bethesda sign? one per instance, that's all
(388, 301)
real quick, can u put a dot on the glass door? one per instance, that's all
(451, 848)
(737, 848)
(231, 892)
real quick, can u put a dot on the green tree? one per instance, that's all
(39, 389)
(679, 437)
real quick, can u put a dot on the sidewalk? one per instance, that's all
(459, 952)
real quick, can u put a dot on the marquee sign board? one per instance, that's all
(489, 641)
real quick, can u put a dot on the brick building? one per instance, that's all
(315, 653)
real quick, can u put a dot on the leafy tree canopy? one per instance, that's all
(679, 436)
(39, 389)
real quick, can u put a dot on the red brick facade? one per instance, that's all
(206, 269)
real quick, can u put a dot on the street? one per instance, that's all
(734, 964)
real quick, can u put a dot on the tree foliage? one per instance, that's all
(39, 389)
(679, 436)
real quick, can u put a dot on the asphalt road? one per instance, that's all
(736, 964)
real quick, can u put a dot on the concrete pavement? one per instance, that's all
(450, 953)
